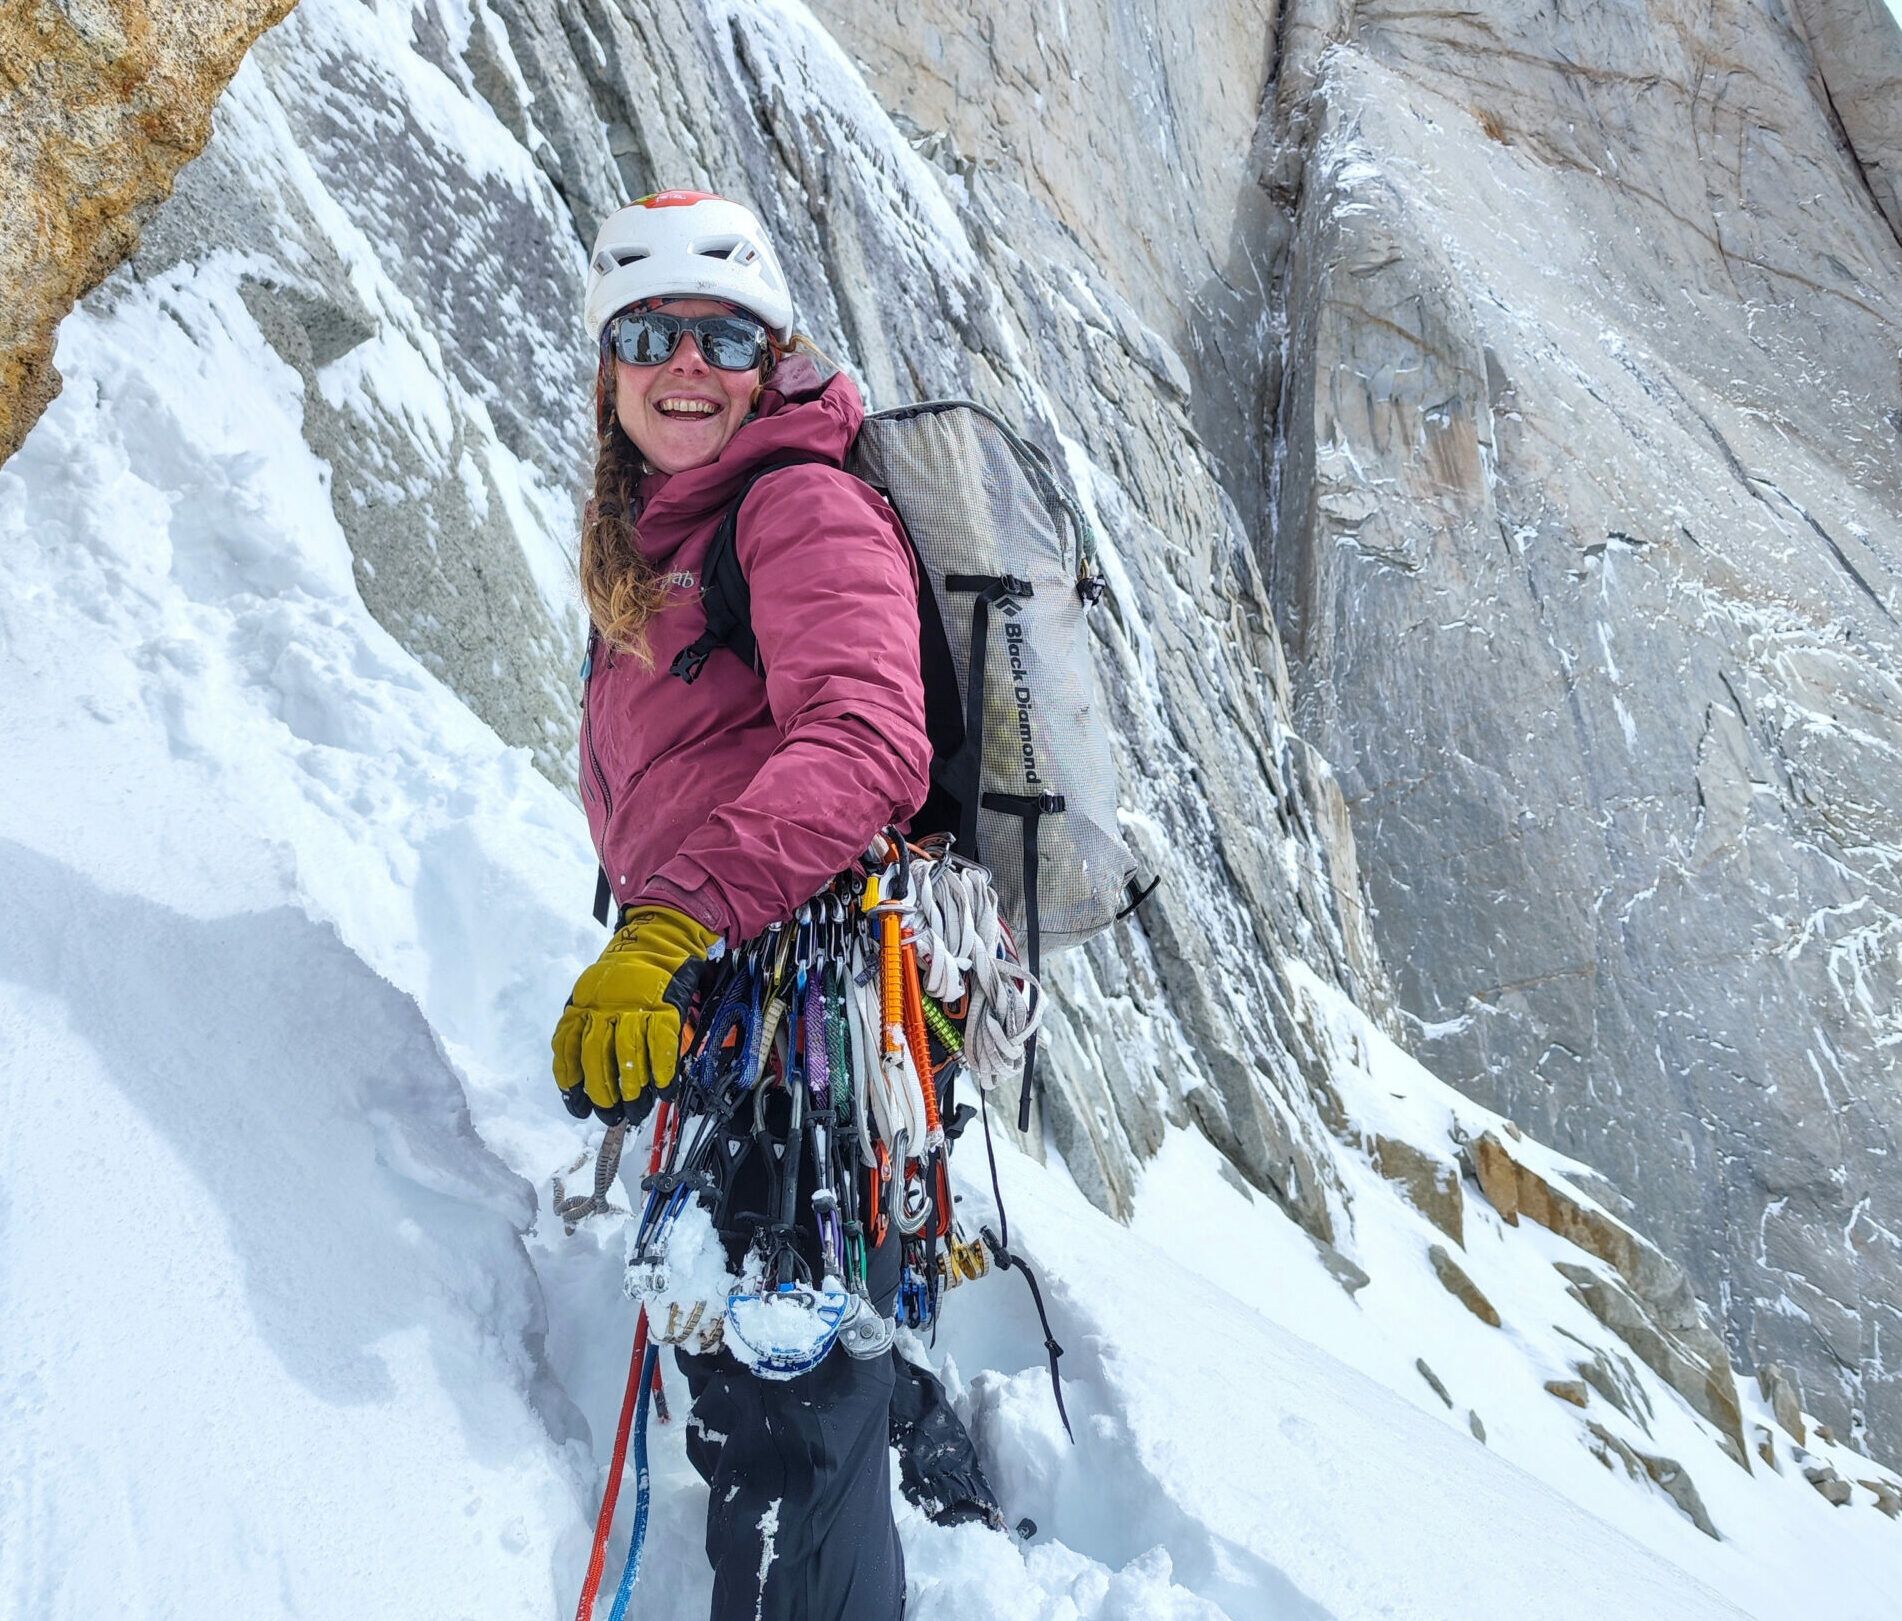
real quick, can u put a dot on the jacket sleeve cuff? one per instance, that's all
(703, 902)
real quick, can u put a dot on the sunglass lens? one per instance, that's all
(731, 343)
(647, 340)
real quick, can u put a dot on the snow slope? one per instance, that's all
(289, 1328)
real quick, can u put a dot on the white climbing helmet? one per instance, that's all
(686, 244)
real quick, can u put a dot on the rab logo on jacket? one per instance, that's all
(685, 578)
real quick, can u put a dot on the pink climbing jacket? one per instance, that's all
(736, 798)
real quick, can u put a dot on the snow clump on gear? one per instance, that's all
(686, 244)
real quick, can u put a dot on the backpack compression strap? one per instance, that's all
(1029, 809)
(962, 777)
(962, 774)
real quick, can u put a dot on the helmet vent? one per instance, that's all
(735, 249)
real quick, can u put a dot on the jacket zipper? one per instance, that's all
(587, 724)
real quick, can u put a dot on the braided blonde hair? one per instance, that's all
(621, 588)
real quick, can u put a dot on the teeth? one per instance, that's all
(685, 408)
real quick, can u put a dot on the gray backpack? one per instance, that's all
(1021, 770)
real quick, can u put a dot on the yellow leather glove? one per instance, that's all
(621, 1028)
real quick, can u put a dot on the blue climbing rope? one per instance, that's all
(642, 1493)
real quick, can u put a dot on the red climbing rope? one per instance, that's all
(604, 1523)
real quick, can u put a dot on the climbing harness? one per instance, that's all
(831, 1046)
(826, 1059)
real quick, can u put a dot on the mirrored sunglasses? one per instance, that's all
(730, 342)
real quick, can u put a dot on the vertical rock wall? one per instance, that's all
(1858, 74)
(1588, 555)
(404, 254)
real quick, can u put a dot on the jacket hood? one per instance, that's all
(803, 410)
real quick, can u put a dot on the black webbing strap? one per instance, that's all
(603, 897)
(1001, 1252)
(725, 597)
(1137, 895)
(962, 774)
(1030, 809)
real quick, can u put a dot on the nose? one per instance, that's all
(687, 359)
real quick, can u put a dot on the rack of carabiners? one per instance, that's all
(818, 1049)
(849, 1024)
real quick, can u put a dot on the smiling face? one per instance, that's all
(681, 413)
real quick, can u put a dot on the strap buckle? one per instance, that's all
(692, 659)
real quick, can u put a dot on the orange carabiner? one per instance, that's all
(875, 1212)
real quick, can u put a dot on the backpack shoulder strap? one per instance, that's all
(725, 597)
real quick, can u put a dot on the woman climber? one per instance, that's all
(719, 808)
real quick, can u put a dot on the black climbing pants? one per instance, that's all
(798, 1473)
(938, 1467)
(799, 1482)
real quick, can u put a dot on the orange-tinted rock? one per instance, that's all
(102, 105)
(1654, 1312)
(1461, 1287)
(1430, 1180)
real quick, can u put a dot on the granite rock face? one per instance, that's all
(101, 104)
(1859, 75)
(416, 272)
(1646, 1300)
(1587, 549)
